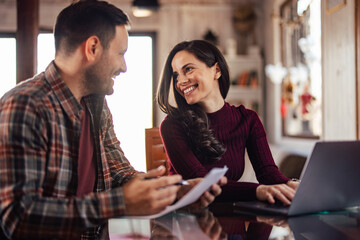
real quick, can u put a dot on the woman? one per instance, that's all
(204, 131)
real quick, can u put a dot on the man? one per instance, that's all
(62, 171)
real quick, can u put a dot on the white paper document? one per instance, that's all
(212, 177)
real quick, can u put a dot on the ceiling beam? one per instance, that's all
(26, 38)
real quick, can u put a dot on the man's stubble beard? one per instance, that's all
(94, 76)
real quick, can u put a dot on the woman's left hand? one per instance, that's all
(207, 197)
(270, 193)
(293, 184)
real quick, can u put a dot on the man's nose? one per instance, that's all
(123, 66)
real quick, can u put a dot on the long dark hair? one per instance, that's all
(192, 118)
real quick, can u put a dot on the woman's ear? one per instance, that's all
(92, 48)
(217, 71)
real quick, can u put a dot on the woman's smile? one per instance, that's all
(189, 90)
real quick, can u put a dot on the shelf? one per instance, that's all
(251, 96)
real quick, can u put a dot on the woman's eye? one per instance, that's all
(188, 69)
(175, 76)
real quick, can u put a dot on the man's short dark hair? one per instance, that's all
(83, 19)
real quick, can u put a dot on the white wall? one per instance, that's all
(339, 79)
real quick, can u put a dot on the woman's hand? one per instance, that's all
(207, 197)
(282, 192)
(294, 183)
(150, 193)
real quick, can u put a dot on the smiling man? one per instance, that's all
(62, 171)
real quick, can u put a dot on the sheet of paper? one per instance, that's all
(212, 177)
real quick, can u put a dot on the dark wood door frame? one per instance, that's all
(357, 66)
(26, 38)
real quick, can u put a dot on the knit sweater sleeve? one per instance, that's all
(259, 152)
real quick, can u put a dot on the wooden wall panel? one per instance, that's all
(339, 73)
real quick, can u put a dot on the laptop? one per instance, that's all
(329, 182)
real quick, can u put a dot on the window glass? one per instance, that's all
(7, 64)
(301, 56)
(131, 103)
(46, 51)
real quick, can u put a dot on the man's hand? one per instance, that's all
(208, 196)
(144, 196)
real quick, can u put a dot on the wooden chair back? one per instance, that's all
(155, 151)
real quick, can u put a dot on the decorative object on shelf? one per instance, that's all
(244, 18)
(246, 82)
(306, 105)
(299, 74)
(247, 79)
(288, 91)
(275, 73)
(307, 46)
(306, 100)
(211, 37)
(283, 107)
(144, 8)
(298, 77)
(244, 22)
(231, 48)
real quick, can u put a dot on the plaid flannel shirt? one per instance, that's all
(39, 142)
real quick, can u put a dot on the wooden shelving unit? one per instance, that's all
(245, 91)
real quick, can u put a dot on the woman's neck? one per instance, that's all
(213, 106)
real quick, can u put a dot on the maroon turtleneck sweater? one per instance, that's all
(238, 129)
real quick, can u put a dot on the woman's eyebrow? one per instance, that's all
(186, 65)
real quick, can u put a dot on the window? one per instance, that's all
(301, 56)
(132, 101)
(46, 51)
(7, 63)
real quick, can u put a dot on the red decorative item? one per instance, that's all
(283, 107)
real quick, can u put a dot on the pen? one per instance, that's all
(181, 182)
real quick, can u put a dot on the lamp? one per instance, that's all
(144, 8)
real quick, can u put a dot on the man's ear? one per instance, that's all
(93, 48)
